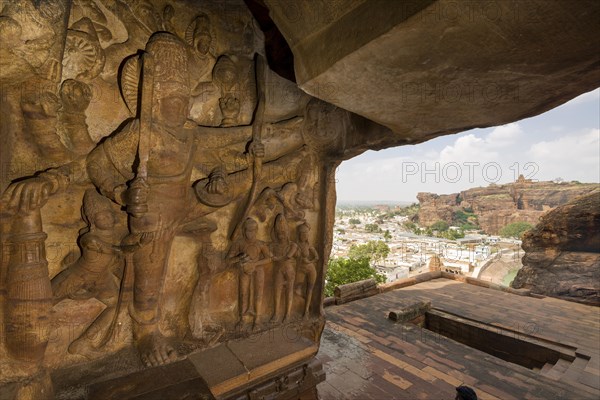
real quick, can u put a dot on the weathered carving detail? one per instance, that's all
(84, 57)
(209, 262)
(250, 255)
(190, 206)
(72, 128)
(92, 275)
(307, 259)
(28, 299)
(284, 254)
(200, 38)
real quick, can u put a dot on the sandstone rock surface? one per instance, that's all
(496, 206)
(562, 254)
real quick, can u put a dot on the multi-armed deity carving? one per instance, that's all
(196, 192)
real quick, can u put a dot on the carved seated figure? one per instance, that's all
(250, 254)
(307, 257)
(284, 254)
(92, 274)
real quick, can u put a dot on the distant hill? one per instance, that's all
(496, 206)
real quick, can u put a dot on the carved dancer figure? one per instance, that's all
(284, 254)
(251, 255)
(307, 258)
(92, 274)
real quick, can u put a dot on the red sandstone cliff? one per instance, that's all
(496, 206)
(562, 254)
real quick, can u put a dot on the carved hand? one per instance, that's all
(217, 183)
(137, 198)
(29, 194)
(230, 106)
(257, 149)
(248, 268)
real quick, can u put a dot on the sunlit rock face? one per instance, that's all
(562, 254)
(495, 206)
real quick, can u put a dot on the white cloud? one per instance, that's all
(473, 159)
(504, 135)
(571, 157)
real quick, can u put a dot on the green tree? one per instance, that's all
(453, 234)
(409, 211)
(376, 250)
(411, 226)
(440, 226)
(354, 221)
(372, 228)
(347, 270)
(387, 235)
(515, 229)
(464, 219)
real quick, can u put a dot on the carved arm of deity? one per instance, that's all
(32, 193)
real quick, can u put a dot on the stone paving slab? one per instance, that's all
(367, 356)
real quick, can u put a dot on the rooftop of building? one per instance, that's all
(368, 356)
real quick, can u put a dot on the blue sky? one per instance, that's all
(561, 143)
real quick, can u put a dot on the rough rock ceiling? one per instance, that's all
(434, 67)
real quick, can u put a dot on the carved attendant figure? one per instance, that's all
(198, 36)
(92, 274)
(307, 258)
(251, 255)
(284, 253)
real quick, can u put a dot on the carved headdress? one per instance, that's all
(304, 227)
(280, 225)
(169, 57)
(200, 26)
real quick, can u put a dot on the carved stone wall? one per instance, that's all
(164, 192)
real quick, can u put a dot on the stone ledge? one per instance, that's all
(427, 276)
(229, 370)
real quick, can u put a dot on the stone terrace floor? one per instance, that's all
(367, 356)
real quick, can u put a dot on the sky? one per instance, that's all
(561, 143)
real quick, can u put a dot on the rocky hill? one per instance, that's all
(562, 254)
(496, 206)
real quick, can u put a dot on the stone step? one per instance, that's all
(546, 368)
(556, 371)
(574, 371)
(562, 365)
